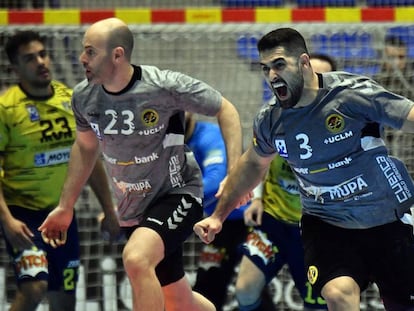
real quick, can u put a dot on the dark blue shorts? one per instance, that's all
(175, 217)
(383, 254)
(58, 266)
(274, 244)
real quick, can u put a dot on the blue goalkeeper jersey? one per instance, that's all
(209, 150)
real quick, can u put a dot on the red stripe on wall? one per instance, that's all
(308, 15)
(92, 16)
(238, 15)
(25, 17)
(168, 16)
(377, 14)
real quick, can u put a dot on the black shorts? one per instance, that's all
(59, 266)
(383, 254)
(175, 217)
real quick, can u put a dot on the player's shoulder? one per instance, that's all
(344, 79)
(61, 89)
(84, 88)
(11, 95)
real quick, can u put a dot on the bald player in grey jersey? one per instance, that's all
(356, 224)
(135, 116)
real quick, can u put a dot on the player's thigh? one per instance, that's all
(144, 244)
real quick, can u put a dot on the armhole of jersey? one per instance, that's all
(320, 80)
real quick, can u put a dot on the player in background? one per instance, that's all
(397, 70)
(356, 220)
(37, 130)
(135, 114)
(217, 261)
(397, 75)
(274, 239)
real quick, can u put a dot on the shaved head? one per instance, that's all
(113, 33)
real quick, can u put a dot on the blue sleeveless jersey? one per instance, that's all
(210, 152)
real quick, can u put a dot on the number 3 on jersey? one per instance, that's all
(304, 146)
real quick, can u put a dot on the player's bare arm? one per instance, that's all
(17, 232)
(100, 187)
(229, 121)
(408, 125)
(83, 156)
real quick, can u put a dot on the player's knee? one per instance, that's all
(135, 263)
(341, 293)
(247, 292)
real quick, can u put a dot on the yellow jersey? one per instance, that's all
(281, 192)
(36, 135)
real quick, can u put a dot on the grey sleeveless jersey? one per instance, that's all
(141, 133)
(334, 146)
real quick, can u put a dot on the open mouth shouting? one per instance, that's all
(280, 89)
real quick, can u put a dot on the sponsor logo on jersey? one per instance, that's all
(151, 131)
(335, 123)
(33, 113)
(331, 166)
(95, 128)
(290, 186)
(281, 148)
(301, 170)
(176, 178)
(338, 137)
(348, 188)
(73, 264)
(31, 262)
(345, 161)
(150, 117)
(52, 157)
(351, 189)
(137, 160)
(395, 180)
(142, 187)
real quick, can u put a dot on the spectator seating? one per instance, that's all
(247, 46)
(353, 51)
(251, 3)
(326, 3)
(389, 3)
(406, 33)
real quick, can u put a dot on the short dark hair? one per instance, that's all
(290, 39)
(395, 41)
(21, 38)
(325, 58)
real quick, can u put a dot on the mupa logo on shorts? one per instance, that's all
(52, 157)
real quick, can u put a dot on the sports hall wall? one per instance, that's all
(214, 41)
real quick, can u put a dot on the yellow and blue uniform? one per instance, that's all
(277, 240)
(36, 134)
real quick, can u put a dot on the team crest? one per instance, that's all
(150, 117)
(33, 113)
(312, 274)
(281, 148)
(335, 123)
